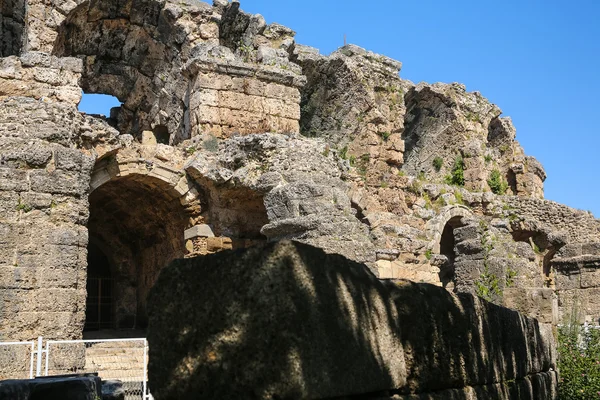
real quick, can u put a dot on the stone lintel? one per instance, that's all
(198, 231)
(241, 69)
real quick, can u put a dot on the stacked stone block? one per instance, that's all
(228, 98)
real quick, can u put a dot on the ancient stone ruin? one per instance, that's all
(230, 135)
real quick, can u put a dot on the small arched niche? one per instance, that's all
(447, 250)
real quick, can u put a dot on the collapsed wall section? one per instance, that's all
(289, 321)
(354, 99)
(572, 260)
(458, 136)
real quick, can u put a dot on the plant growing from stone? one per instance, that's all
(578, 360)
(385, 136)
(457, 175)
(21, 206)
(497, 183)
(511, 274)
(343, 153)
(438, 162)
(488, 285)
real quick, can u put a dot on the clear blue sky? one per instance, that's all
(538, 60)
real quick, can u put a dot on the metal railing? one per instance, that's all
(125, 360)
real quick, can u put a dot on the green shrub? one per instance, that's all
(428, 254)
(385, 136)
(23, 206)
(457, 175)
(344, 153)
(497, 183)
(578, 363)
(511, 274)
(190, 150)
(437, 163)
(459, 197)
(487, 286)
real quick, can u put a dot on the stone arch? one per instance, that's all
(436, 226)
(139, 211)
(130, 51)
(12, 27)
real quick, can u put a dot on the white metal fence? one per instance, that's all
(125, 360)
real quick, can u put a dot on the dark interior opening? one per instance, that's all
(161, 133)
(142, 225)
(99, 304)
(447, 243)
(511, 178)
(12, 27)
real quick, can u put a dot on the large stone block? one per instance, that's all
(63, 388)
(289, 321)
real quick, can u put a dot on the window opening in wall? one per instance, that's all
(161, 133)
(98, 104)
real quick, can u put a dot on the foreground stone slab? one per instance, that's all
(288, 321)
(52, 388)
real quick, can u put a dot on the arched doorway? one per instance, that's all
(447, 243)
(136, 226)
(442, 231)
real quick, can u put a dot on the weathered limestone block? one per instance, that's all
(540, 304)
(229, 96)
(41, 77)
(298, 181)
(74, 388)
(43, 201)
(354, 98)
(289, 321)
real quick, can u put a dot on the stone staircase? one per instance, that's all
(116, 360)
(123, 361)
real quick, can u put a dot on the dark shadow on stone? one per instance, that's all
(287, 321)
(12, 27)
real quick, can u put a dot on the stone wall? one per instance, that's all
(43, 213)
(234, 97)
(355, 100)
(88, 387)
(289, 321)
(42, 77)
